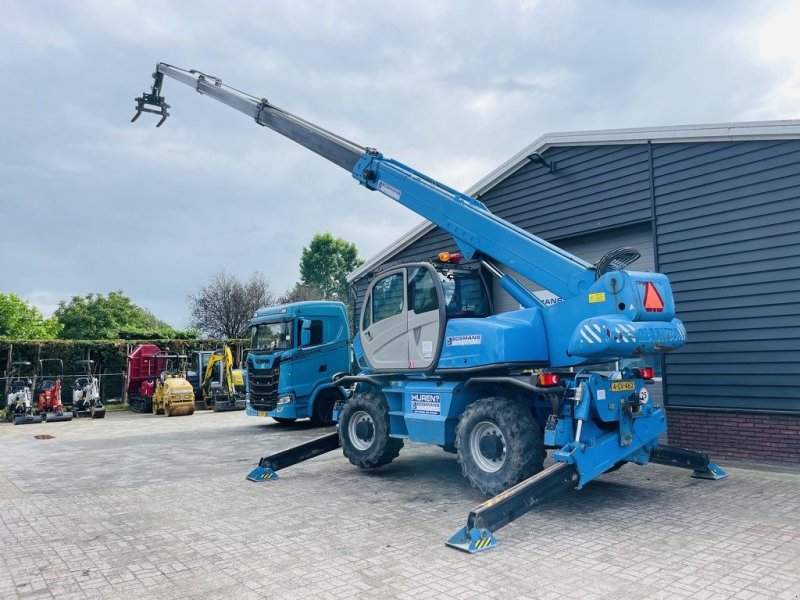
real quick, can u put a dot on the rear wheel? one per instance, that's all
(364, 431)
(499, 444)
(322, 415)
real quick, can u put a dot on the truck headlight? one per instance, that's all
(285, 399)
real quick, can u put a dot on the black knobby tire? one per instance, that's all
(364, 431)
(499, 444)
(322, 415)
(284, 421)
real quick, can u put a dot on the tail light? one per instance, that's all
(644, 373)
(549, 379)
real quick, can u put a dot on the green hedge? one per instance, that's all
(109, 356)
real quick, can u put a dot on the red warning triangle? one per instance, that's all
(652, 299)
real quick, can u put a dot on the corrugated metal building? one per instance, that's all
(717, 209)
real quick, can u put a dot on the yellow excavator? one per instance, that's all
(173, 394)
(223, 387)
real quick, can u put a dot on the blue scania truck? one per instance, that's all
(294, 352)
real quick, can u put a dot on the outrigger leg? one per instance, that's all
(267, 466)
(510, 505)
(687, 459)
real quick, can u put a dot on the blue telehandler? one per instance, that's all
(437, 366)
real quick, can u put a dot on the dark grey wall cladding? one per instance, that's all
(592, 188)
(728, 223)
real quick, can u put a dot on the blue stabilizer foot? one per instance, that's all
(260, 474)
(472, 541)
(712, 472)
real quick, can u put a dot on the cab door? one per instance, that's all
(384, 323)
(425, 321)
(402, 320)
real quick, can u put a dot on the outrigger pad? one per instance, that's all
(711, 472)
(472, 541)
(260, 474)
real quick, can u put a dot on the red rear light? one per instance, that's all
(549, 379)
(646, 373)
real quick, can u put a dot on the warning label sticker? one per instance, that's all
(597, 297)
(426, 404)
(427, 349)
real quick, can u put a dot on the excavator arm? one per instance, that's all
(225, 356)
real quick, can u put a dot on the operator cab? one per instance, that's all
(406, 309)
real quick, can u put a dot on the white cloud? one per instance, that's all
(450, 88)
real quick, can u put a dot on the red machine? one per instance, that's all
(49, 391)
(143, 369)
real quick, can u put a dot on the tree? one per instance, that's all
(325, 264)
(300, 293)
(19, 320)
(224, 306)
(98, 317)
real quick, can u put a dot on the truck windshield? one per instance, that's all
(272, 336)
(464, 294)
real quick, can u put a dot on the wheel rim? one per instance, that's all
(487, 446)
(361, 430)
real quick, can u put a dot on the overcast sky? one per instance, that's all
(92, 203)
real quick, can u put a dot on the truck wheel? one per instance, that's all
(499, 444)
(364, 431)
(322, 415)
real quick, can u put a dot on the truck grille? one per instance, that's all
(263, 387)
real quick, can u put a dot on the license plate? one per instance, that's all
(262, 413)
(622, 386)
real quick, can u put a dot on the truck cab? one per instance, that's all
(295, 350)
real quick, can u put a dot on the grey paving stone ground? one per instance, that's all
(138, 506)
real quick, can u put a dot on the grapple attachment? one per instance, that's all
(153, 101)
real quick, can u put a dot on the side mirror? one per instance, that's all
(305, 333)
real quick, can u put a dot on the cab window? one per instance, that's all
(387, 297)
(422, 296)
(464, 294)
(366, 319)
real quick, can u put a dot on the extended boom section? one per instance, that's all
(436, 365)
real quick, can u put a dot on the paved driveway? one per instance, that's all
(138, 506)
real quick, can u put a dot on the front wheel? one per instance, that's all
(322, 415)
(364, 431)
(499, 444)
